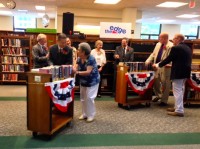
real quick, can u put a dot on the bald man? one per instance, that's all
(162, 82)
(181, 58)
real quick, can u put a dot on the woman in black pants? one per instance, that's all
(100, 57)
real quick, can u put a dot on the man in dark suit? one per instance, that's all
(60, 53)
(40, 53)
(181, 58)
(123, 53)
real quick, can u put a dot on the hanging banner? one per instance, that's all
(61, 92)
(140, 81)
(194, 81)
(115, 30)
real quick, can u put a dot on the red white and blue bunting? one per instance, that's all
(61, 92)
(140, 81)
(194, 81)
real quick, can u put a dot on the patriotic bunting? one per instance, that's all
(194, 81)
(140, 81)
(61, 92)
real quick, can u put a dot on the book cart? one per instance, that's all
(192, 86)
(42, 116)
(122, 98)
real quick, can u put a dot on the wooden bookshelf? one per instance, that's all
(15, 53)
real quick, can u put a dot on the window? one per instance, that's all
(150, 31)
(190, 31)
(22, 22)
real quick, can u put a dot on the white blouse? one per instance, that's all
(100, 56)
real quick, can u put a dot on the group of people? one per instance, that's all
(172, 61)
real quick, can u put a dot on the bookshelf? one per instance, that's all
(15, 58)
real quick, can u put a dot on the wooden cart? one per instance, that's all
(42, 117)
(121, 96)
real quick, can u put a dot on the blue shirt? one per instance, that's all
(93, 78)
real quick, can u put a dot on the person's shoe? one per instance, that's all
(155, 99)
(175, 114)
(99, 96)
(82, 117)
(170, 109)
(90, 119)
(162, 104)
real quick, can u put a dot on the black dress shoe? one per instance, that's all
(99, 96)
(156, 99)
(162, 104)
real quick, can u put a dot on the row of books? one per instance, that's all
(14, 60)
(14, 42)
(12, 68)
(14, 51)
(9, 77)
(58, 72)
(139, 66)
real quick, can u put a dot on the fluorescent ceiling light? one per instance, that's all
(107, 1)
(40, 7)
(165, 21)
(1, 5)
(6, 13)
(187, 16)
(171, 4)
(22, 10)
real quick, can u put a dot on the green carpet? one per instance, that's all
(89, 140)
(103, 98)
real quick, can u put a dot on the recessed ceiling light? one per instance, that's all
(40, 7)
(187, 16)
(171, 4)
(6, 13)
(165, 21)
(107, 1)
(1, 5)
(22, 10)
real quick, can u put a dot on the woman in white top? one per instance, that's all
(100, 57)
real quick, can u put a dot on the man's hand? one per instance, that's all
(155, 67)
(116, 56)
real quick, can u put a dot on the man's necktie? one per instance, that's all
(159, 54)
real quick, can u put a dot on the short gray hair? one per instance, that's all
(41, 36)
(84, 46)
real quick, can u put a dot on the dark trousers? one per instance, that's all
(99, 89)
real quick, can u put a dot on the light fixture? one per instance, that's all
(107, 1)
(40, 7)
(165, 21)
(187, 16)
(1, 5)
(45, 20)
(192, 4)
(171, 4)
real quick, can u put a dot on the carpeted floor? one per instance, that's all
(140, 127)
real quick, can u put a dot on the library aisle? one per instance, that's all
(113, 127)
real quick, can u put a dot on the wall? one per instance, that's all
(171, 29)
(51, 24)
(88, 17)
(7, 24)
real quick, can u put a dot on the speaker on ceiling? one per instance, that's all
(68, 23)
